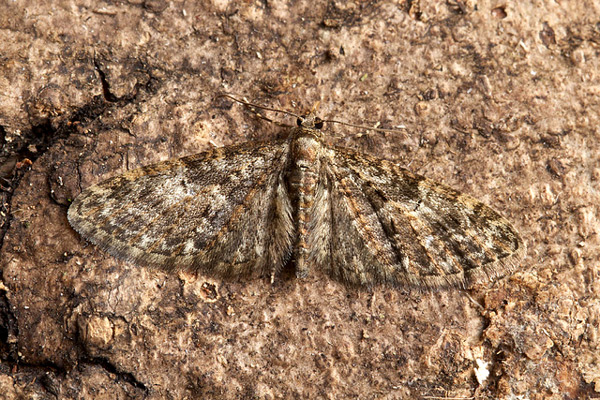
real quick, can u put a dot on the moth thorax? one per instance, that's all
(306, 149)
(303, 175)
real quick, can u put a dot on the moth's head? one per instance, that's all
(310, 121)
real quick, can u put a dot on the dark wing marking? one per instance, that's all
(225, 211)
(389, 225)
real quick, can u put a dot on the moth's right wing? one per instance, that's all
(391, 226)
(225, 211)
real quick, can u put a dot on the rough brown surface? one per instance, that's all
(499, 100)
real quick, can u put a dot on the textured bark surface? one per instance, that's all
(497, 100)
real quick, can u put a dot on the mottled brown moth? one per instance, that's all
(251, 208)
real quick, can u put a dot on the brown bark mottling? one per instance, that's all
(498, 100)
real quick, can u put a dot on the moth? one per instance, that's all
(249, 209)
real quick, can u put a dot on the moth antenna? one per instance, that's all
(247, 103)
(374, 129)
(313, 109)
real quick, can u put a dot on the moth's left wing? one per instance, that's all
(225, 211)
